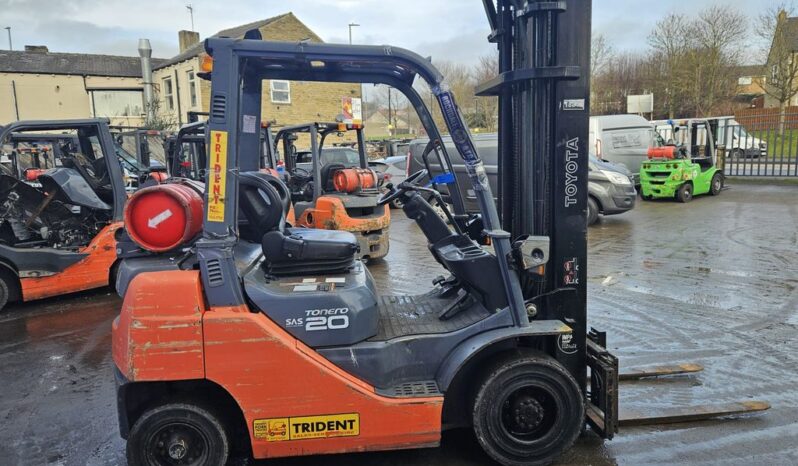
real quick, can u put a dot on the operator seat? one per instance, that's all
(291, 251)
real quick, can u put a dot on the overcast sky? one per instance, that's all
(445, 29)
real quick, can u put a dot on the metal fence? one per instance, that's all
(760, 142)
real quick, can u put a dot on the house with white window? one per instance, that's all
(181, 91)
(38, 84)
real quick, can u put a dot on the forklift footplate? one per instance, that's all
(659, 371)
(413, 315)
(645, 416)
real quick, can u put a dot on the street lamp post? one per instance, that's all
(351, 25)
(10, 46)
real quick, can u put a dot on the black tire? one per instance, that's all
(528, 410)
(163, 433)
(716, 184)
(5, 292)
(592, 211)
(685, 193)
(646, 198)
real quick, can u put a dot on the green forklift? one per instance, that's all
(684, 165)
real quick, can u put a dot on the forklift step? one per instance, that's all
(422, 389)
(645, 417)
(659, 371)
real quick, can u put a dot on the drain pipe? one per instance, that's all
(145, 52)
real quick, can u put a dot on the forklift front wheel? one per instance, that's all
(685, 193)
(717, 184)
(177, 433)
(528, 410)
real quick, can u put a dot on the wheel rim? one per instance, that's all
(527, 415)
(716, 184)
(178, 443)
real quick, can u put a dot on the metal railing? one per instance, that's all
(760, 142)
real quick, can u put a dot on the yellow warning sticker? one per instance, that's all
(273, 430)
(217, 177)
(307, 427)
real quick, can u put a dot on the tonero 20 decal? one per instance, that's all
(321, 319)
(218, 176)
(307, 427)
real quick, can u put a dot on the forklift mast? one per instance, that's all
(543, 87)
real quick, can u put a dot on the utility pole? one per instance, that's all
(390, 118)
(10, 46)
(351, 25)
(190, 9)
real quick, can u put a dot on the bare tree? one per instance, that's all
(486, 109)
(717, 42)
(670, 43)
(601, 56)
(782, 81)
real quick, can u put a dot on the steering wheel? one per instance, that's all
(301, 172)
(408, 184)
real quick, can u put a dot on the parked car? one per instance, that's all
(393, 170)
(622, 139)
(611, 187)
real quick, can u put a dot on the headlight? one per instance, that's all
(616, 178)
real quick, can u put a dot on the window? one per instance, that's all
(281, 92)
(745, 81)
(117, 103)
(192, 88)
(168, 93)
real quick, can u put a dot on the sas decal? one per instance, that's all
(307, 427)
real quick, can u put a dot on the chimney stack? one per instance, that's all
(187, 39)
(145, 52)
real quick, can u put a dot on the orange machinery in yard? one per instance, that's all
(333, 188)
(58, 228)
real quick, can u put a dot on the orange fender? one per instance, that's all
(158, 336)
(330, 214)
(91, 272)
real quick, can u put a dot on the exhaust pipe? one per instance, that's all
(145, 52)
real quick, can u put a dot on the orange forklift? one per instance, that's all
(333, 188)
(275, 343)
(58, 225)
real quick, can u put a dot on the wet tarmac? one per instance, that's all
(714, 282)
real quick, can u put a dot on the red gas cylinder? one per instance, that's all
(32, 174)
(665, 152)
(350, 180)
(159, 177)
(164, 217)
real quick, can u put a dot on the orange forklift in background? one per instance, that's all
(333, 188)
(57, 235)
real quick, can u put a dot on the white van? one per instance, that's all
(621, 139)
(739, 142)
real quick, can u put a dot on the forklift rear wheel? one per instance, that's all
(5, 292)
(177, 433)
(592, 211)
(528, 410)
(717, 184)
(685, 193)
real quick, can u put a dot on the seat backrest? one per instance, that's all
(261, 203)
